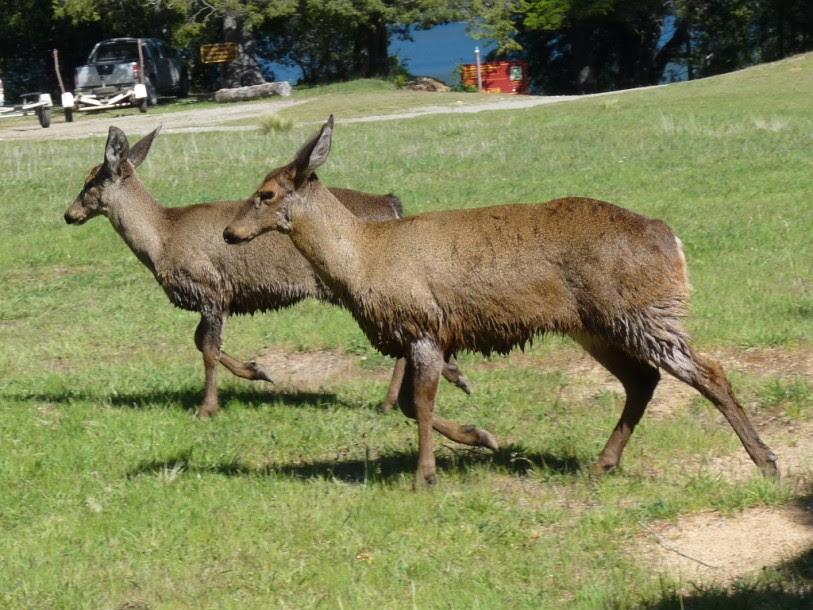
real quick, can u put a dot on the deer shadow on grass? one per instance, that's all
(188, 399)
(515, 460)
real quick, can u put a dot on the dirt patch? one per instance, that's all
(712, 548)
(314, 371)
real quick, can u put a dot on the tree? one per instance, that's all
(237, 21)
(731, 34)
(338, 40)
(581, 46)
(578, 46)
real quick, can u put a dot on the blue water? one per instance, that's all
(436, 52)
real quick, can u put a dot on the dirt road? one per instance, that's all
(215, 119)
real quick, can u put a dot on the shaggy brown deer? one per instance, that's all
(492, 278)
(183, 248)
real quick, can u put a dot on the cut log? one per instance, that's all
(241, 94)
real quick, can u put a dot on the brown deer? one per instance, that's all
(183, 248)
(492, 278)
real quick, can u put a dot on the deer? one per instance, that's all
(183, 248)
(492, 278)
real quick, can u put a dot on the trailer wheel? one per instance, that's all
(142, 105)
(44, 116)
(69, 115)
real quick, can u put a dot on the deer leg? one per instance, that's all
(421, 377)
(246, 370)
(639, 380)
(464, 434)
(451, 372)
(395, 385)
(208, 338)
(707, 377)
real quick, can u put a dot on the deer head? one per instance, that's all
(107, 178)
(269, 208)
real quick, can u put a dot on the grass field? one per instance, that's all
(115, 497)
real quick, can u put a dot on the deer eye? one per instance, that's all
(266, 196)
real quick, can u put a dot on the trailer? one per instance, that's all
(105, 99)
(36, 103)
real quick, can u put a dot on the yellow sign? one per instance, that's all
(218, 53)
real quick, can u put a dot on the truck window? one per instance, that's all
(116, 51)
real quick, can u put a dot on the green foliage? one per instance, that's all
(274, 122)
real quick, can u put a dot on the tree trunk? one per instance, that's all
(371, 49)
(244, 70)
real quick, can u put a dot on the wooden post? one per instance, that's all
(140, 61)
(56, 67)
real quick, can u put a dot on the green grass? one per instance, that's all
(114, 495)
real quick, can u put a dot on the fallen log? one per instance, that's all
(241, 94)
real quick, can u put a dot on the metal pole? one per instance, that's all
(479, 74)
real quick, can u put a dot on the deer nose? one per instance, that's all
(68, 218)
(229, 236)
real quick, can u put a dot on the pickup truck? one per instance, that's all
(113, 71)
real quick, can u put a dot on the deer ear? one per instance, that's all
(116, 150)
(140, 149)
(313, 154)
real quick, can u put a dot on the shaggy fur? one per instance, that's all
(493, 278)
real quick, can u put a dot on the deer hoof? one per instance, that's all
(464, 384)
(424, 481)
(386, 407)
(206, 412)
(258, 374)
(602, 468)
(486, 439)
(769, 468)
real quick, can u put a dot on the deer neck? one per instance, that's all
(327, 235)
(139, 219)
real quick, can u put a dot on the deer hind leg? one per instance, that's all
(451, 372)
(639, 380)
(395, 385)
(707, 377)
(208, 338)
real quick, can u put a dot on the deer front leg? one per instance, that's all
(245, 370)
(208, 338)
(424, 364)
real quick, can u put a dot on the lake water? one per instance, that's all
(436, 52)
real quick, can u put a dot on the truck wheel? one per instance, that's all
(152, 95)
(69, 115)
(44, 116)
(183, 86)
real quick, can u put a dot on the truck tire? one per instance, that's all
(44, 116)
(152, 94)
(183, 86)
(69, 115)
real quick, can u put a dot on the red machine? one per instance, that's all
(498, 76)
